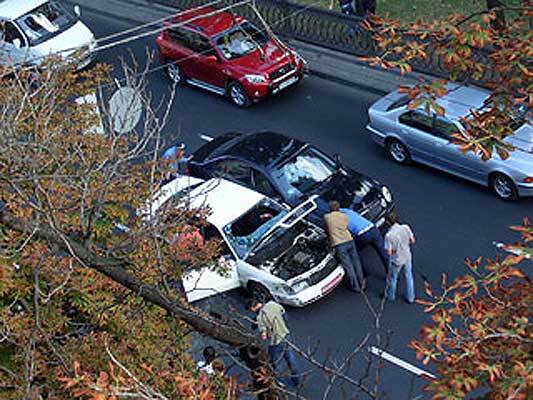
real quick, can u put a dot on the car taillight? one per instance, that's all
(528, 179)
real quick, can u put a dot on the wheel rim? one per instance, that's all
(397, 151)
(174, 73)
(237, 95)
(503, 187)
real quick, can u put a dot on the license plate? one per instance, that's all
(331, 284)
(286, 83)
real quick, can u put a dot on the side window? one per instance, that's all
(235, 170)
(212, 233)
(179, 36)
(445, 128)
(418, 120)
(263, 185)
(200, 44)
(11, 33)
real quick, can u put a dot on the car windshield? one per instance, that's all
(47, 20)
(240, 40)
(248, 229)
(303, 172)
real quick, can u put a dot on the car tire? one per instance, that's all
(259, 292)
(174, 72)
(238, 95)
(398, 151)
(503, 186)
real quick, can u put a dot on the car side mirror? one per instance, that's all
(17, 43)
(77, 10)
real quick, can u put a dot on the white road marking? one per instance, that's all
(206, 138)
(401, 363)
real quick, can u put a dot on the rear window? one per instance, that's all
(207, 149)
(402, 101)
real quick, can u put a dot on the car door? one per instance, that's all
(209, 281)
(417, 130)
(179, 50)
(468, 165)
(208, 66)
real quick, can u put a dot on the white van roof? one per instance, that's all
(12, 9)
(226, 200)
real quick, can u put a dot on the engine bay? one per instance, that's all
(308, 248)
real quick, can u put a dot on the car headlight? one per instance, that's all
(299, 286)
(253, 78)
(284, 288)
(386, 193)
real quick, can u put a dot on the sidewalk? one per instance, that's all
(325, 63)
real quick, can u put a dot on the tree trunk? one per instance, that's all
(220, 328)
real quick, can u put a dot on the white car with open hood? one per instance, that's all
(270, 250)
(31, 30)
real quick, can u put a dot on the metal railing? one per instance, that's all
(332, 30)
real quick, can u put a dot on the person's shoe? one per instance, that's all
(410, 301)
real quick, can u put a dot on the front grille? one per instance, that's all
(281, 71)
(323, 273)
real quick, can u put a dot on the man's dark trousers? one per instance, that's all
(374, 238)
(282, 351)
(349, 259)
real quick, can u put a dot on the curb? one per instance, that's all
(324, 63)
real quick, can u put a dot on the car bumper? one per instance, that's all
(525, 189)
(315, 292)
(376, 135)
(259, 91)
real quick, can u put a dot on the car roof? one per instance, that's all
(461, 99)
(12, 9)
(262, 148)
(226, 200)
(211, 25)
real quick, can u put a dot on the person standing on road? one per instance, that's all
(272, 327)
(175, 161)
(365, 233)
(341, 240)
(398, 241)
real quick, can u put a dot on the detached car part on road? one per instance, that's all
(290, 171)
(415, 135)
(227, 55)
(284, 256)
(31, 30)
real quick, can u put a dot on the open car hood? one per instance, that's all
(291, 219)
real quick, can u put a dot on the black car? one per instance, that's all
(289, 170)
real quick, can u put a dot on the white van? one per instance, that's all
(31, 30)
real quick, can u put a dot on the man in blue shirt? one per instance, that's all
(176, 162)
(365, 233)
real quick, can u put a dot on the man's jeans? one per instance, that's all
(392, 280)
(282, 351)
(374, 238)
(349, 259)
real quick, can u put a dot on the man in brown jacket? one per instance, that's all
(341, 240)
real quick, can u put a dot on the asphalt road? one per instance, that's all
(452, 219)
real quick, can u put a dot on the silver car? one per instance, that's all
(414, 135)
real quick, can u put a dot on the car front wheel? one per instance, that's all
(504, 187)
(238, 95)
(259, 292)
(398, 151)
(174, 72)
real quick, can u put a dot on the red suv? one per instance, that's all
(228, 55)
